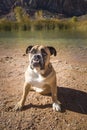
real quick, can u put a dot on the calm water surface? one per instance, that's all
(54, 38)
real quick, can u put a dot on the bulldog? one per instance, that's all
(40, 75)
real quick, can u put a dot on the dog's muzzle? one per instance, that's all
(37, 61)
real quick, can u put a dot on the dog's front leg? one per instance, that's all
(20, 104)
(56, 105)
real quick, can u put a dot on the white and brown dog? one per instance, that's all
(40, 75)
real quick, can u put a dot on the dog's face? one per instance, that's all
(39, 56)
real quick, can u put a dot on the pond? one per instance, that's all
(55, 38)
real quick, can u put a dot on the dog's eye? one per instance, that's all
(33, 51)
(43, 52)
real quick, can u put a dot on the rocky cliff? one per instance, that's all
(66, 7)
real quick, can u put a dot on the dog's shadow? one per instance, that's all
(71, 99)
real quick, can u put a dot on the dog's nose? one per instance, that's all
(36, 57)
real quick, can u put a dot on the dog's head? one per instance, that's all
(39, 56)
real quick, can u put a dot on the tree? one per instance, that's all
(19, 14)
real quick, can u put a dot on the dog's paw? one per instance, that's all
(56, 106)
(18, 107)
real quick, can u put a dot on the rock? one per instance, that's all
(5, 6)
(24, 54)
(66, 7)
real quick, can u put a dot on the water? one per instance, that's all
(54, 38)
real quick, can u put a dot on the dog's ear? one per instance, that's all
(52, 50)
(28, 49)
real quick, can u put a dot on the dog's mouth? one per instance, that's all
(36, 63)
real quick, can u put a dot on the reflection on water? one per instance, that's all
(55, 38)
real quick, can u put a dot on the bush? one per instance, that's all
(39, 14)
(47, 24)
(74, 19)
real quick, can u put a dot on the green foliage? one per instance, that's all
(82, 25)
(5, 25)
(20, 15)
(39, 14)
(39, 24)
(23, 22)
(42, 24)
(24, 26)
(74, 19)
(50, 25)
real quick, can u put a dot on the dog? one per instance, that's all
(40, 75)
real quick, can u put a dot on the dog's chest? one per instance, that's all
(35, 79)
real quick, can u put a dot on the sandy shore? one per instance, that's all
(71, 69)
